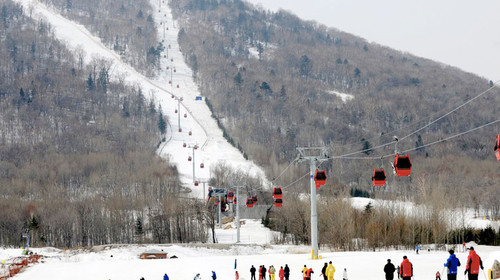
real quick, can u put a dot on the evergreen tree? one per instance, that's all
(162, 124)
(138, 227)
(305, 66)
(367, 147)
(90, 83)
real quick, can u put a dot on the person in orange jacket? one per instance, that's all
(474, 262)
(281, 274)
(309, 273)
(406, 269)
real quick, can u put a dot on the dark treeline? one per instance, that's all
(77, 151)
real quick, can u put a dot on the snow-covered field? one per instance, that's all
(122, 261)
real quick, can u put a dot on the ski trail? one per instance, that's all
(194, 115)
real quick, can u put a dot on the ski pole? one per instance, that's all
(484, 274)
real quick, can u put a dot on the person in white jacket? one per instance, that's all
(344, 275)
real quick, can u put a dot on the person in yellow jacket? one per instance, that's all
(330, 270)
(272, 271)
(304, 270)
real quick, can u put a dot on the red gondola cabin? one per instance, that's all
(230, 195)
(277, 193)
(249, 202)
(278, 202)
(378, 178)
(497, 147)
(402, 165)
(320, 178)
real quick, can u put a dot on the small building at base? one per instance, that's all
(153, 255)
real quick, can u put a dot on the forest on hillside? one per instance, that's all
(78, 163)
(269, 78)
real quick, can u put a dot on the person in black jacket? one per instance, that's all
(389, 270)
(323, 271)
(264, 272)
(287, 272)
(252, 273)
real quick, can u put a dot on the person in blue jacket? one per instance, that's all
(214, 276)
(452, 263)
(165, 277)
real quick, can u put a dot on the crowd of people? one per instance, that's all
(404, 270)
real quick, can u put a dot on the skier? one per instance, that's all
(237, 276)
(389, 270)
(165, 277)
(304, 270)
(416, 248)
(309, 273)
(287, 272)
(323, 272)
(264, 270)
(272, 271)
(252, 273)
(281, 274)
(344, 276)
(330, 270)
(214, 276)
(438, 275)
(399, 274)
(452, 263)
(406, 269)
(260, 272)
(197, 277)
(474, 262)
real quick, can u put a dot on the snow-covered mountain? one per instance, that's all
(174, 89)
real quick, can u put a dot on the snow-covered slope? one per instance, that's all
(213, 148)
(122, 261)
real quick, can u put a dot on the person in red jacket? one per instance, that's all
(406, 269)
(308, 273)
(282, 273)
(474, 262)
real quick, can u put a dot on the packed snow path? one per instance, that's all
(172, 85)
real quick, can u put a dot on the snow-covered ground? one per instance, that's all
(172, 85)
(344, 96)
(122, 261)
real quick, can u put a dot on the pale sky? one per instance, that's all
(461, 33)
